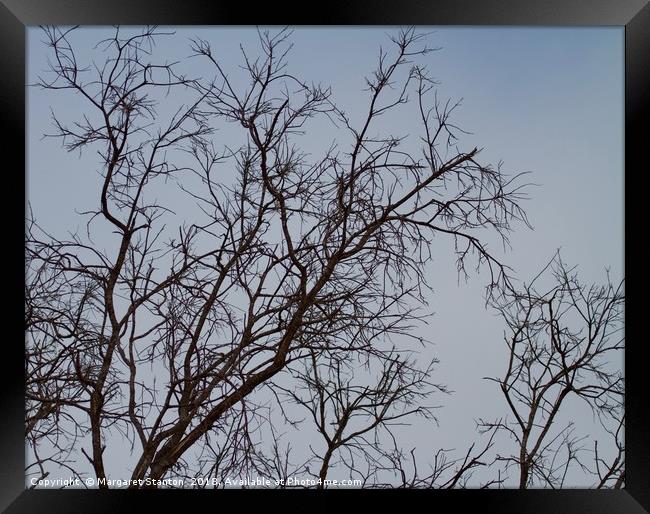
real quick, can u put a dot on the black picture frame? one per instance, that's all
(16, 15)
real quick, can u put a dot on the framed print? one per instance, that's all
(382, 251)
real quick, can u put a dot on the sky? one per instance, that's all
(548, 101)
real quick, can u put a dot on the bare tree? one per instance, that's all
(349, 414)
(444, 471)
(563, 344)
(166, 334)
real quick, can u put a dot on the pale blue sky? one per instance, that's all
(544, 100)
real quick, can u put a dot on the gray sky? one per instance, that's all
(544, 100)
